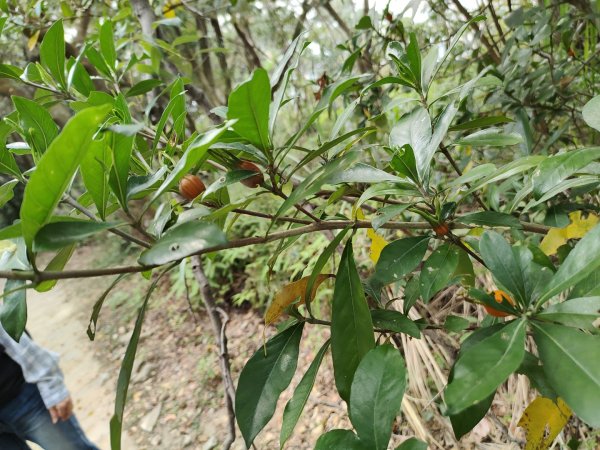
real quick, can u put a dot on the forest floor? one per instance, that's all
(175, 398)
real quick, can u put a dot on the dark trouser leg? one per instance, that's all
(27, 417)
(10, 441)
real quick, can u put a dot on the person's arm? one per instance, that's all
(39, 367)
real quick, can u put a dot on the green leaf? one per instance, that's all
(504, 264)
(107, 44)
(178, 111)
(339, 440)
(320, 264)
(13, 311)
(464, 269)
(79, 78)
(7, 192)
(10, 71)
(116, 422)
(174, 104)
(465, 420)
(196, 151)
(332, 144)
(577, 312)
(484, 366)
(7, 162)
(313, 182)
(52, 52)
(59, 234)
(38, 127)
(264, 377)
(184, 240)
(383, 189)
(532, 368)
(438, 270)
(591, 113)
(364, 23)
(293, 409)
(404, 163)
(140, 186)
(492, 137)
(557, 168)
(414, 129)
(249, 105)
(414, 57)
(351, 325)
(510, 169)
(56, 264)
(231, 177)
(588, 287)
(491, 219)
(143, 86)
(571, 361)
(97, 60)
(121, 148)
(330, 93)
(412, 444)
(360, 173)
(387, 213)
(475, 173)
(91, 330)
(399, 258)
(376, 395)
(582, 261)
(95, 167)
(587, 183)
(456, 323)
(480, 122)
(450, 47)
(387, 319)
(56, 168)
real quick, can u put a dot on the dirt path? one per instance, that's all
(58, 320)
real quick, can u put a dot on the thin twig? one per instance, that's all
(450, 159)
(218, 326)
(128, 237)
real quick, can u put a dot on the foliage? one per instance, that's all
(457, 171)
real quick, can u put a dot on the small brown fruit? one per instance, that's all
(441, 229)
(191, 187)
(255, 180)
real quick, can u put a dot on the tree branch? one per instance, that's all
(243, 242)
(251, 55)
(218, 327)
(490, 48)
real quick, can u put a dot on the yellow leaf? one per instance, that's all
(578, 227)
(33, 40)
(289, 293)
(170, 7)
(377, 241)
(553, 239)
(543, 420)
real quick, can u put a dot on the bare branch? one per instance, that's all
(219, 333)
(243, 242)
(490, 48)
(251, 55)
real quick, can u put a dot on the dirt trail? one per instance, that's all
(58, 321)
